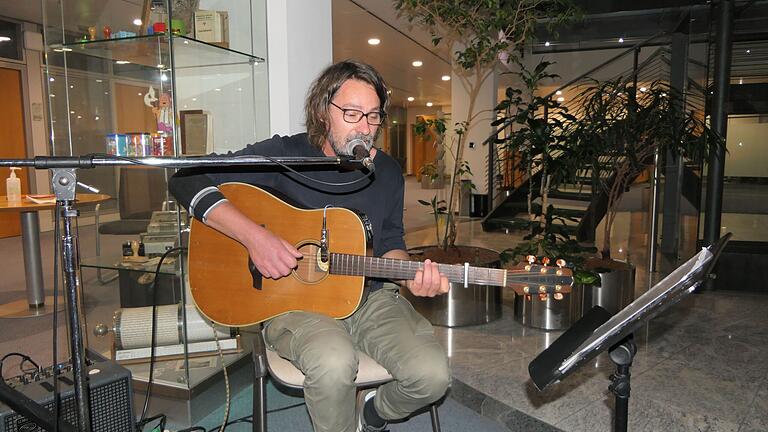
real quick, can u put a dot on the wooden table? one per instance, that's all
(33, 267)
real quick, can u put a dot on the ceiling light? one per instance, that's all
(374, 41)
(643, 89)
(741, 81)
(621, 40)
(561, 99)
(740, 144)
(163, 77)
(71, 86)
(429, 104)
(559, 92)
(137, 21)
(5, 39)
(217, 89)
(411, 98)
(122, 62)
(140, 94)
(194, 99)
(546, 44)
(394, 121)
(96, 118)
(445, 77)
(417, 63)
(160, 66)
(51, 79)
(98, 80)
(749, 51)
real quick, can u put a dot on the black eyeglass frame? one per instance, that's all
(362, 114)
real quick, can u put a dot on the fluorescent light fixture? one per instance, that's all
(374, 41)
(411, 98)
(429, 104)
(122, 62)
(137, 21)
(5, 39)
(445, 77)
(416, 63)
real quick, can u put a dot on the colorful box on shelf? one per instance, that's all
(123, 34)
(212, 27)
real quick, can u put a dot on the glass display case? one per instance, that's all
(153, 78)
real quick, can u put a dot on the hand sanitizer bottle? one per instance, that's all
(13, 187)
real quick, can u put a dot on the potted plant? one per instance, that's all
(626, 127)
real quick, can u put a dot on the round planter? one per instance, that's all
(617, 286)
(549, 314)
(476, 304)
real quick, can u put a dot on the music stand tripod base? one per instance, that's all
(22, 309)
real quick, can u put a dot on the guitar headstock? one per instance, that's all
(540, 279)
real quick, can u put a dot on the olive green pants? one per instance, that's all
(386, 328)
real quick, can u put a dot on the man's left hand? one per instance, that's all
(428, 282)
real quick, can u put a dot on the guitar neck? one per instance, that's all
(389, 268)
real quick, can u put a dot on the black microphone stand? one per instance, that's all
(64, 181)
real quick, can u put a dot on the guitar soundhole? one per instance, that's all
(311, 268)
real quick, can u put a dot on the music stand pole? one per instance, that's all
(622, 354)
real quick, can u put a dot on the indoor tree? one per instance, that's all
(483, 35)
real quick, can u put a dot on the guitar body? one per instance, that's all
(225, 290)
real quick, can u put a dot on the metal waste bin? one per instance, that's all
(476, 304)
(549, 314)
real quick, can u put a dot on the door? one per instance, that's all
(12, 141)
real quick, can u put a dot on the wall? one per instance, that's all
(299, 48)
(746, 142)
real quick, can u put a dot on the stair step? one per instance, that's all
(573, 196)
(521, 224)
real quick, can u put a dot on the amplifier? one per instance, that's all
(111, 396)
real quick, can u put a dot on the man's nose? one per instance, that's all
(363, 126)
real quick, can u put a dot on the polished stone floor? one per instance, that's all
(701, 365)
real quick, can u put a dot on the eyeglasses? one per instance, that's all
(374, 118)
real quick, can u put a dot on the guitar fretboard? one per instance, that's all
(356, 265)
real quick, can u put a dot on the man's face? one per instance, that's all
(357, 95)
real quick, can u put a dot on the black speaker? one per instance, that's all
(110, 392)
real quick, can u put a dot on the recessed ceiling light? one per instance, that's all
(194, 99)
(160, 66)
(137, 21)
(546, 44)
(217, 89)
(445, 77)
(51, 79)
(96, 118)
(417, 63)
(749, 51)
(122, 62)
(643, 89)
(71, 86)
(5, 39)
(141, 94)
(621, 40)
(559, 92)
(411, 98)
(560, 99)
(429, 104)
(374, 41)
(98, 80)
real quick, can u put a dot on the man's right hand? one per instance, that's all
(273, 256)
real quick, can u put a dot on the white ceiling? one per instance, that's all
(355, 21)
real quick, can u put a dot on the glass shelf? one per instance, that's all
(146, 50)
(115, 262)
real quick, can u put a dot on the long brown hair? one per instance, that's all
(324, 89)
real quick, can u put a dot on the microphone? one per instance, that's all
(361, 151)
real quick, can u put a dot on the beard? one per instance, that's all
(341, 146)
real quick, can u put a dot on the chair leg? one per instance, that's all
(435, 418)
(260, 384)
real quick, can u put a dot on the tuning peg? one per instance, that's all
(545, 261)
(531, 259)
(543, 297)
(526, 289)
(560, 263)
(558, 296)
(542, 289)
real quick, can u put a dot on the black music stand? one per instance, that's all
(598, 331)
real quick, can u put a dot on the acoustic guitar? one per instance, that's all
(330, 280)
